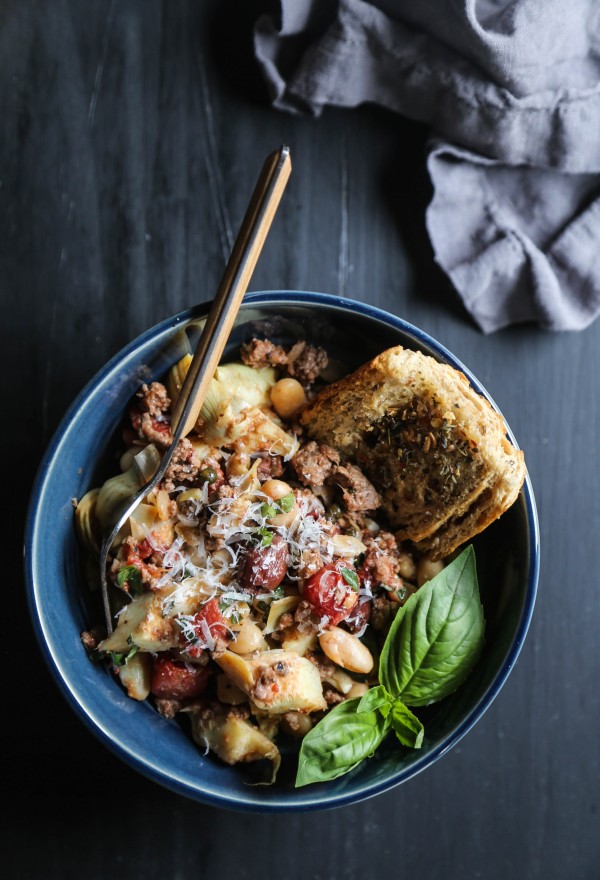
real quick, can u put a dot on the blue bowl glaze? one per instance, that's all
(81, 454)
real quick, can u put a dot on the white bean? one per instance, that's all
(358, 689)
(287, 396)
(248, 639)
(407, 567)
(346, 650)
(296, 724)
(346, 545)
(427, 569)
(278, 489)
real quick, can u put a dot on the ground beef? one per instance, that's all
(306, 619)
(239, 713)
(153, 399)
(263, 353)
(266, 681)
(147, 415)
(92, 639)
(383, 612)
(315, 462)
(147, 560)
(358, 493)
(332, 697)
(168, 708)
(285, 621)
(382, 560)
(306, 362)
(325, 666)
(150, 429)
(303, 362)
(311, 562)
(225, 491)
(294, 724)
(184, 466)
(270, 467)
(308, 503)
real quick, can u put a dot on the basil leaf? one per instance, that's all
(287, 502)
(407, 726)
(375, 698)
(436, 637)
(279, 592)
(268, 510)
(119, 659)
(351, 578)
(339, 742)
(131, 576)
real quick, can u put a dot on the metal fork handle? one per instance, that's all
(238, 271)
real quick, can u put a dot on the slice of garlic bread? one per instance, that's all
(434, 448)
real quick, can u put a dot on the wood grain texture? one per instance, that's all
(131, 134)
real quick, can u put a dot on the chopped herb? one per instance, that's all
(268, 510)
(351, 578)
(266, 536)
(279, 592)
(119, 659)
(287, 502)
(263, 606)
(131, 576)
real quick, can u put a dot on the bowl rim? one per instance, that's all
(286, 804)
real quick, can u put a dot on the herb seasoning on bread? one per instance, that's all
(436, 451)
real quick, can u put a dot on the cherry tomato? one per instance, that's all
(175, 681)
(265, 567)
(330, 594)
(210, 613)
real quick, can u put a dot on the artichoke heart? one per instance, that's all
(252, 384)
(142, 623)
(231, 421)
(118, 490)
(233, 740)
(276, 681)
(232, 412)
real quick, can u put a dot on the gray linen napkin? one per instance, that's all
(512, 91)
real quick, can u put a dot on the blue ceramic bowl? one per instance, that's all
(82, 454)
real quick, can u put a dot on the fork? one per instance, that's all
(234, 283)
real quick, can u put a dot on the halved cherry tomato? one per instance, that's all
(210, 613)
(175, 681)
(265, 567)
(330, 594)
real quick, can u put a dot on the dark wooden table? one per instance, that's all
(131, 136)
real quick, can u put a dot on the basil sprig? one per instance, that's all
(339, 742)
(434, 642)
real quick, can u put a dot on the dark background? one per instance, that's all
(131, 135)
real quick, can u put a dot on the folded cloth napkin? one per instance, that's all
(511, 89)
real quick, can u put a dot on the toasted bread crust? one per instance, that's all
(435, 449)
